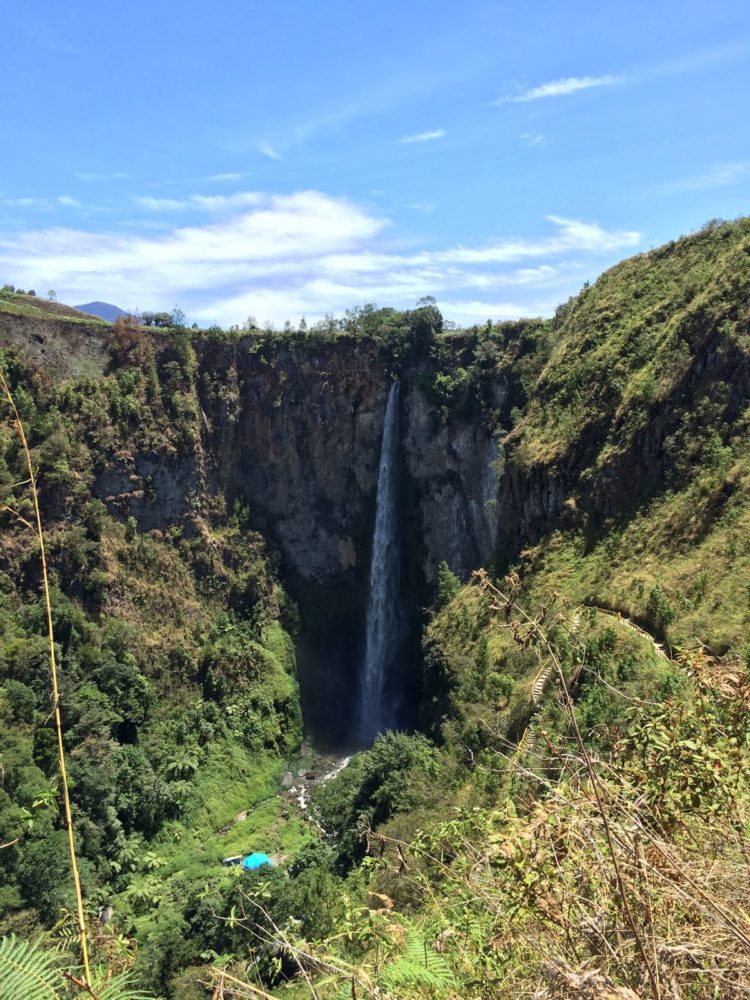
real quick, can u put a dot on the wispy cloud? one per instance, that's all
(218, 202)
(47, 204)
(270, 151)
(26, 202)
(533, 139)
(225, 177)
(308, 253)
(716, 176)
(560, 88)
(436, 133)
(476, 310)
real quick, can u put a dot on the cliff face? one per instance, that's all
(297, 438)
(293, 430)
(299, 441)
(455, 467)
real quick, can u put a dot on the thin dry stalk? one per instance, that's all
(239, 989)
(81, 920)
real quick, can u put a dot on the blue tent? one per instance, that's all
(256, 860)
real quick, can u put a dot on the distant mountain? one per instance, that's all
(104, 310)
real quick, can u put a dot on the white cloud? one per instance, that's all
(216, 202)
(268, 150)
(159, 204)
(572, 235)
(437, 133)
(279, 237)
(47, 204)
(559, 88)
(282, 256)
(533, 139)
(474, 310)
(224, 177)
(209, 202)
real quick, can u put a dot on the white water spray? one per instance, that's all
(383, 625)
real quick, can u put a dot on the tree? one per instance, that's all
(183, 765)
(482, 659)
(157, 319)
(448, 585)
(395, 775)
(177, 317)
(94, 518)
(425, 321)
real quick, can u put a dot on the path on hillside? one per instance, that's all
(622, 619)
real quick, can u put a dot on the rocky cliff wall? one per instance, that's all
(296, 436)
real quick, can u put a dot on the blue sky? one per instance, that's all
(289, 158)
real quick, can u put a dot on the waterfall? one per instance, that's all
(383, 612)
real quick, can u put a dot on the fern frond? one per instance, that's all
(121, 987)
(419, 966)
(28, 971)
(65, 935)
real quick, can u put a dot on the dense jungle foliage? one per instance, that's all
(179, 696)
(570, 821)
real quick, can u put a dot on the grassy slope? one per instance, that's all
(628, 341)
(646, 398)
(29, 305)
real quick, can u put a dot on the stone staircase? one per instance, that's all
(626, 622)
(542, 679)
